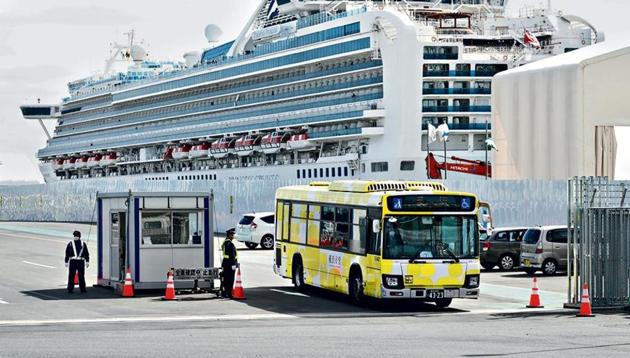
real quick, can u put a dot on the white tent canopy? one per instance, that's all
(554, 119)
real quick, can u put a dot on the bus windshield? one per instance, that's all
(430, 237)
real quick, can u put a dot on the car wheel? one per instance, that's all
(298, 275)
(267, 242)
(530, 271)
(355, 288)
(488, 266)
(549, 267)
(251, 245)
(506, 263)
(443, 302)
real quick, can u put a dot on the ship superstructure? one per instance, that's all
(308, 90)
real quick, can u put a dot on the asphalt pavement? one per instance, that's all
(38, 318)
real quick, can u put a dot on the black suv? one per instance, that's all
(502, 248)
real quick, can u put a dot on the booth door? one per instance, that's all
(118, 245)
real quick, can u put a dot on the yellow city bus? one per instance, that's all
(381, 239)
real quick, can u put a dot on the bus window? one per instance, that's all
(314, 213)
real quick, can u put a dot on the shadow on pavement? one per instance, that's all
(314, 301)
(93, 293)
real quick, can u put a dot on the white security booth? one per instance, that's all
(152, 233)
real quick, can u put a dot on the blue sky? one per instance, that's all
(46, 43)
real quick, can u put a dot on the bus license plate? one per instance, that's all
(435, 294)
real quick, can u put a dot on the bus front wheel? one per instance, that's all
(355, 288)
(443, 302)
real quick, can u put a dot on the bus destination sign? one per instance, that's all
(439, 203)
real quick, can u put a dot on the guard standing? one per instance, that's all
(229, 264)
(77, 259)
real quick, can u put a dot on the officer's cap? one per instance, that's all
(76, 234)
(230, 232)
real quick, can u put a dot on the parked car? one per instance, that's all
(502, 248)
(544, 248)
(256, 229)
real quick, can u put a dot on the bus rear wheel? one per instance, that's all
(443, 302)
(355, 288)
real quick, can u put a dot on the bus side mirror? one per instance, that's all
(376, 226)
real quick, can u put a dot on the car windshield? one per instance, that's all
(430, 237)
(531, 236)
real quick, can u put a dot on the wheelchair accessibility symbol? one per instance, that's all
(466, 203)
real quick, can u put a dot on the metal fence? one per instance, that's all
(599, 215)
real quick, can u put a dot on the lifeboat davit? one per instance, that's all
(109, 159)
(299, 141)
(69, 163)
(246, 145)
(199, 150)
(94, 161)
(274, 142)
(57, 164)
(222, 147)
(181, 152)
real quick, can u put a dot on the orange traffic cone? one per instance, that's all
(128, 287)
(585, 305)
(169, 295)
(237, 292)
(76, 278)
(534, 298)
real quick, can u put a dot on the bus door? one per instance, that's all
(372, 230)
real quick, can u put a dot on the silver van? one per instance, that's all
(544, 248)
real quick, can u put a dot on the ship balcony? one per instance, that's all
(460, 73)
(464, 126)
(456, 91)
(346, 133)
(457, 109)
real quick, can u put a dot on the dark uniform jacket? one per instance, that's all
(78, 244)
(229, 253)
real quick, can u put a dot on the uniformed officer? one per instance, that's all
(77, 259)
(229, 264)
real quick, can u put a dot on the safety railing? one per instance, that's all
(471, 91)
(439, 109)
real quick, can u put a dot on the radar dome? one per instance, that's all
(213, 32)
(138, 53)
(192, 58)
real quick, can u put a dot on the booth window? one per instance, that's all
(177, 228)
(156, 228)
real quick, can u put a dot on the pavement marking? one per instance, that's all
(36, 264)
(2, 302)
(289, 292)
(549, 298)
(236, 317)
(33, 238)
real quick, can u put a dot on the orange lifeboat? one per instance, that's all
(94, 161)
(69, 163)
(109, 159)
(222, 147)
(274, 142)
(246, 145)
(299, 141)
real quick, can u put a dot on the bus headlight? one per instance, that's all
(393, 281)
(472, 281)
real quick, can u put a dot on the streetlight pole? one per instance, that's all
(486, 148)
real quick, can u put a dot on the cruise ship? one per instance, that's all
(309, 90)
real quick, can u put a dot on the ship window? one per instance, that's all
(304, 173)
(345, 171)
(327, 172)
(407, 165)
(314, 173)
(321, 172)
(338, 171)
(298, 173)
(332, 170)
(309, 173)
(379, 167)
